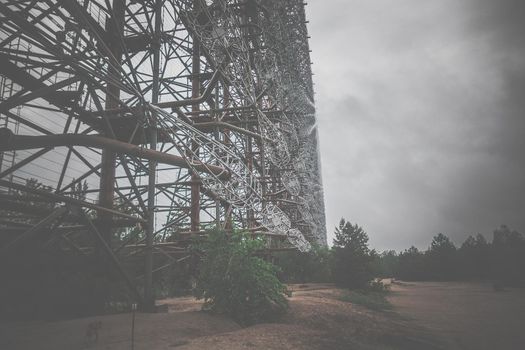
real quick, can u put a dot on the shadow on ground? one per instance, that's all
(317, 319)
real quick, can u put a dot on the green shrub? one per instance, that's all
(299, 267)
(372, 300)
(233, 281)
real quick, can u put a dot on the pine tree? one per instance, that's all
(353, 260)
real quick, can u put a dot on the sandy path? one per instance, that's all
(465, 315)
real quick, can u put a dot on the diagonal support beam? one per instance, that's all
(50, 91)
(48, 220)
(21, 77)
(64, 199)
(24, 162)
(113, 258)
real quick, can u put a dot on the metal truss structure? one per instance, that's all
(145, 122)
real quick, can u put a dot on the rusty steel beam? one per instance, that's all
(114, 29)
(10, 142)
(195, 91)
(63, 199)
(149, 297)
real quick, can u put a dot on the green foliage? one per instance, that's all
(411, 265)
(441, 244)
(386, 264)
(474, 258)
(79, 190)
(298, 267)
(441, 259)
(352, 259)
(24, 206)
(502, 260)
(174, 280)
(508, 257)
(350, 236)
(233, 281)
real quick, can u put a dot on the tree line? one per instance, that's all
(351, 263)
(502, 260)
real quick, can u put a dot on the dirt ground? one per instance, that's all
(425, 316)
(465, 315)
(317, 320)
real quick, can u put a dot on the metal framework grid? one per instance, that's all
(146, 121)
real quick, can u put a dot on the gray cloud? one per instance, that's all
(420, 108)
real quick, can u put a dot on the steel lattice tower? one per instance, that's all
(152, 120)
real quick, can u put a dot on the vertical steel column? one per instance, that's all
(228, 211)
(216, 135)
(107, 176)
(149, 298)
(195, 93)
(250, 217)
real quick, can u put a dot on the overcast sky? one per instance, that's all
(420, 112)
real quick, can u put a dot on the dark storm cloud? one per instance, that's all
(421, 116)
(504, 23)
(494, 189)
(502, 19)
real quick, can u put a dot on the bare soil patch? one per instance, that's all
(465, 315)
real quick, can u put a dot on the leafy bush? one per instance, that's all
(299, 267)
(174, 281)
(372, 296)
(234, 281)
